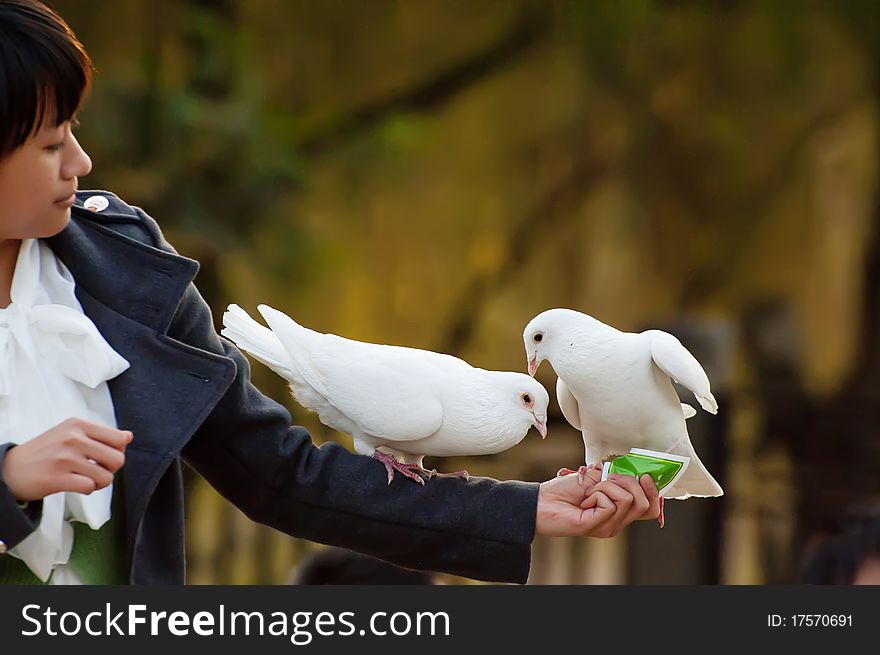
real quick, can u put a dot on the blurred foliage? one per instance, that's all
(433, 173)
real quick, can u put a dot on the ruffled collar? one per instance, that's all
(54, 364)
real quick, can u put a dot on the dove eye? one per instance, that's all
(538, 337)
(527, 399)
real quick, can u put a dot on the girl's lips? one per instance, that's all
(68, 201)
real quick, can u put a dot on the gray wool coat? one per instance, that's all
(188, 397)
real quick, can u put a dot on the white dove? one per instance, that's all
(409, 402)
(616, 388)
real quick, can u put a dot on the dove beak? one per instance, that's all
(533, 365)
(541, 425)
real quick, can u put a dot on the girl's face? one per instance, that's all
(37, 183)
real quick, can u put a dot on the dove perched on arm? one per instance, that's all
(616, 388)
(406, 401)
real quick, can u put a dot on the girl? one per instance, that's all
(111, 373)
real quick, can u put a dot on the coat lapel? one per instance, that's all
(131, 291)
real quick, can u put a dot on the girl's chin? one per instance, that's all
(53, 226)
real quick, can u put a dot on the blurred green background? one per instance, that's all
(433, 173)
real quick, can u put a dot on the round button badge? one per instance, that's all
(96, 203)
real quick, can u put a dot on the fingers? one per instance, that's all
(109, 458)
(633, 500)
(81, 484)
(592, 476)
(559, 512)
(599, 511)
(100, 476)
(623, 502)
(570, 489)
(653, 497)
(92, 454)
(619, 494)
(648, 490)
(604, 501)
(112, 437)
(640, 502)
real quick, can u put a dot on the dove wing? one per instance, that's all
(674, 359)
(568, 404)
(383, 391)
(384, 397)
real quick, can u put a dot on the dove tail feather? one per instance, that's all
(257, 340)
(298, 342)
(696, 481)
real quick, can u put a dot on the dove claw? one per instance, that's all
(564, 471)
(389, 470)
(464, 475)
(581, 473)
(392, 464)
(661, 518)
(414, 472)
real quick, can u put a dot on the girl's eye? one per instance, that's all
(55, 147)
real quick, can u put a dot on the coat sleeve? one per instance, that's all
(249, 452)
(16, 522)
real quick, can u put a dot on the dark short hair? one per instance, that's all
(338, 566)
(44, 71)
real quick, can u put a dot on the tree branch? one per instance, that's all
(438, 89)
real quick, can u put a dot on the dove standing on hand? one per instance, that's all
(616, 388)
(409, 402)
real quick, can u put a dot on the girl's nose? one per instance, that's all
(76, 162)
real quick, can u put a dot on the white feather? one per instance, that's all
(407, 401)
(616, 388)
(675, 360)
(568, 404)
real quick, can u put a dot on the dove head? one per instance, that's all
(530, 400)
(550, 332)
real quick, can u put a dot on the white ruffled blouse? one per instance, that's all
(54, 365)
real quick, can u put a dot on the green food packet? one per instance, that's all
(664, 468)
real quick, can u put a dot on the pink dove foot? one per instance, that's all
(434, 473)
(581, 472)
(661, 519)
(392, 464)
